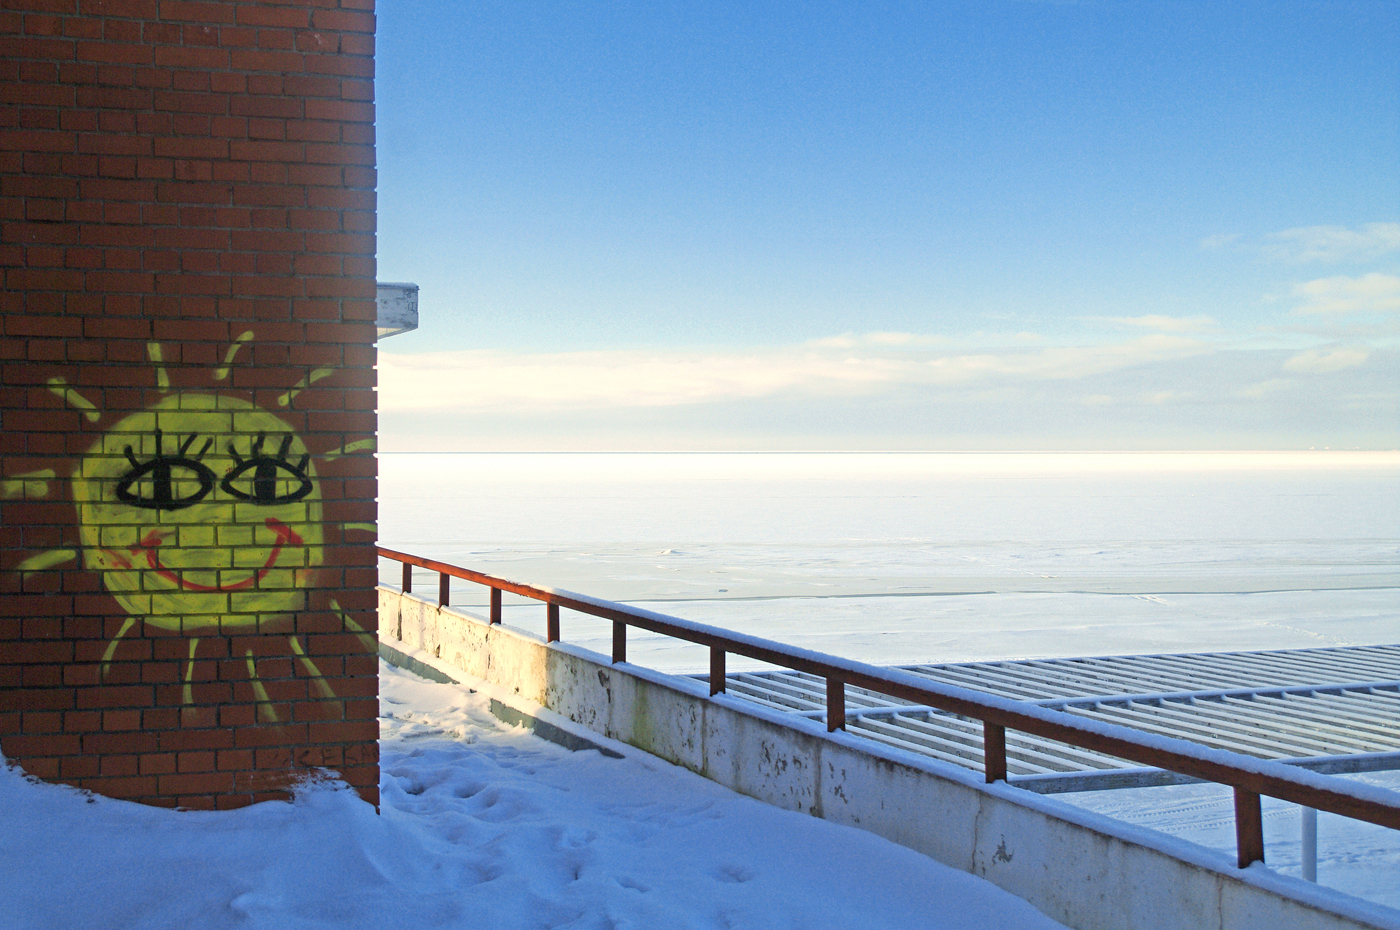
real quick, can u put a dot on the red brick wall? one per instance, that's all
(187, 479)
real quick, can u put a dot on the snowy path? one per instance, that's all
(482, 826)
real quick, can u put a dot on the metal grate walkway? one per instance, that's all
(1331, 710)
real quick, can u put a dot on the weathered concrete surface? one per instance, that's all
(1082, 869)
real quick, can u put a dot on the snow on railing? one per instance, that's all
(1250, 777)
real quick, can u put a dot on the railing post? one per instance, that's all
(1249, 827)
(994, 751)
(443, 580)
(835, 704)
(407, 578)
(551, 626)
(716, 670)
(1309, 843)
(495, 605)
(619, 641)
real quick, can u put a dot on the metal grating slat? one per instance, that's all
(1338, 707)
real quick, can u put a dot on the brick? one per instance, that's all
(238, 37)
(72, 768)
(46, 744)
(196, 12)
(278, 62)
(204, 783)
(113, 52)
(42, 722)
(180, 56)
(39, 767)
(343, 21)
(195, 762)
(156, 763)
(133, 9)
(282, 17)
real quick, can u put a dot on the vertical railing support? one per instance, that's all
(716, 670)
(407, 578)
(1309, 843)
(444, 580)
(495, 605)
(835, 704)
(994, 751)
(619, 641)
(1249, 827)
(551, 626)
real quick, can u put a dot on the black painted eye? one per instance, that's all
(274, 479)
(167, 482)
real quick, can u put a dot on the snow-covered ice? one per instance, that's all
(482, 825)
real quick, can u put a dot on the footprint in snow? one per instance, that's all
(735, 874)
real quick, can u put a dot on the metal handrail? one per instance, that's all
(1249, 777)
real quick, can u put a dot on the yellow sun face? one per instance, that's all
(201, 512)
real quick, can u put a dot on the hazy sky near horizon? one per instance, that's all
(839, 225)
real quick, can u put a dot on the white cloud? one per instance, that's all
(639, 378)
(1263, 389)
(1164, 324)
(887, 339)
(1319, 362)
(1219, 241)
(1370, 293)
(1333, 243)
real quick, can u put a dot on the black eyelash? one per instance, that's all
(265, 470)
(159, 469)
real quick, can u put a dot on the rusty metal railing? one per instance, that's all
(1250, 777)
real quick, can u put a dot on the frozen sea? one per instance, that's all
(907, 558)
(904, 557)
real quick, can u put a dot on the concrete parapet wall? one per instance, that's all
(1087, 871)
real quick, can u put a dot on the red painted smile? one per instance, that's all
(152, 541)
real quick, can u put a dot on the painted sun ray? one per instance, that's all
(112, 646)
(156, 353)
(188, 693)
(221, 374)
(367, 638)
(316, 674)
(265, 709)
(46, 560)
(74, 398)
(359, 445)
(303, 384)
(30, 484)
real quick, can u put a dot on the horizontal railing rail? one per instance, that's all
(1250, 777)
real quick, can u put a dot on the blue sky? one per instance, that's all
(872, 225)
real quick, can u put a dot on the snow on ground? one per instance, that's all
(482, 825)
